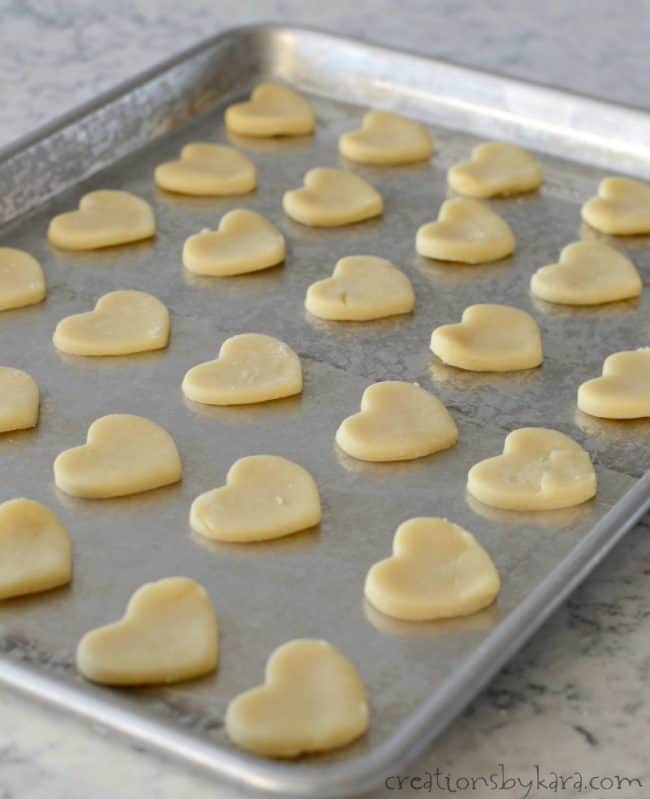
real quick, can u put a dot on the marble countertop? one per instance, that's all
(574, 701)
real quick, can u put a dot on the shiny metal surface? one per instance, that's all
(418, 675)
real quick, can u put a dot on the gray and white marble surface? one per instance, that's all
(575, 700)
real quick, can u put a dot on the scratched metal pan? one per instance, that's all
(418, 676)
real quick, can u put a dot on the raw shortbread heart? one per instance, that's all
(437, 571)
(19, 400)
(35, 550)
(622, 207)
(362, 287)
(122, 323)
(273, 110)
(168, 634)
(387, 138)
(467, 231)
(123, 454)
(244, 242)
(21, 279)
(264, 497)
(496, 169)
(398, 421)
(623, 391)
(589, 273)
(206, 169)
(490, 338)
(312, 700)
(332, 197)
(250, 368)
(539, 469)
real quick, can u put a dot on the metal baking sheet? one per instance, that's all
(418, 675)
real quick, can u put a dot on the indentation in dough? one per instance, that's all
(496, 169)
(622, 207)
(387, 138)
(19, 400)
(273, 110)
(21, 279)
(623, 391)
(206, 169)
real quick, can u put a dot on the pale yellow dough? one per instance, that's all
(265, 497)
(589, 273)
(168, 634)
(467, 231)
(622, 207)
(35, 549)
(206, 169)
(244, 242)
(387, 138)
(437, 571)
(490, 338)
(623, 391)
(123, 322)
(539, 469)
(273, 110)
(312, 700)
(362, 287)
(398, 421)
(331, 198)
(105, 218)
(19, 400)
(21, 279)
(123, 454)
(496, 169)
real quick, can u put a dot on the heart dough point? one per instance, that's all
(273, 110)
(312, 700)
(105, 218)
(265, 497)
(539, 469)
(496, 169)
(19, 400)
(623, 391)
(35, 550)
(387, 138)
(362, 288)
(437, 571)
(244, 242)
(168, 634)
(490, 338)
(250, 368)
(622, 207)
(398, 421)
(467, 231)
(123, 322)
(123, 454)
(589, 273)
(331, 198)
(207, 170)
(21, 279)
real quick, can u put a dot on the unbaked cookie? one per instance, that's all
(623, 391)
(496, 169)
(21, 279)
(622, 207)
(206, 169)
(387, 138)
(273, 110)
(19, 400)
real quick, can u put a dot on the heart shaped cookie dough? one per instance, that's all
(123, 322)
(623, 391)
(207, 169)
(496, 169)
(35, 549)
(490, 338)
(104, 219)
(168, 634)
(437, 571)
(244, 242)
(589, 273)
(265, 497)
(398, 421)
(362, 288)
(312, 700)
(622, 207)
(250, 368)
(123, 454)
(21, 279)
(539, 469)
(467, 231)
(19, 400)
(273, 110)
(387, 138)
(331, 198)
